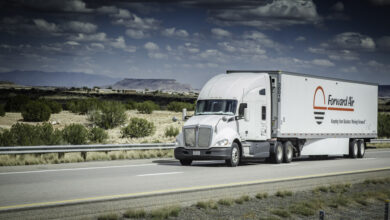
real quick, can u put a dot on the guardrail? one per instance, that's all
(99, 148)
(82, 148)
(378, 141)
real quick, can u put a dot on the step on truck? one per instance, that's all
(277, 115)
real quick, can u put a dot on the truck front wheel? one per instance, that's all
(277, 155)
(234, 156)
(185, 162)
(287, 152)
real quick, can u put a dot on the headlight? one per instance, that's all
(223, 142)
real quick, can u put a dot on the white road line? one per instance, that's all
(75, 169)
(159, 174)
(368, 158)
(285, 165)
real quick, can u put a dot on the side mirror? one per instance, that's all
(246, 114)
(224, 118)
(184, 114)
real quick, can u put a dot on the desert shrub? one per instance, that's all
(383, 125)
(109, 115)
(178, 106)
(15, 104)
(2, 110)
(138, 127)
(75, 134)
(147, 107)
(171, 131)
(36, 111)
(130, 105)
(97, 135)
(83, 106)
(27, 135)
(54, 106)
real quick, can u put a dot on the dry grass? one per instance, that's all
(53, 158)
(161, 119)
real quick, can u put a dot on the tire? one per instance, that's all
(277, 155)
(353, 149)
(234, 156)
(186, 162)
(361, 148)
(287, 152)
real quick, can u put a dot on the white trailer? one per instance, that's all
(278, 115)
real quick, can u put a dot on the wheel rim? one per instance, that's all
(355, 149)
(279, 153)
(289, 153)
(235, 155)
(362, 149)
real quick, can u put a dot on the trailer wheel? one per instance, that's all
(277, 156)
(353, 149)
(361, 148)
(185, 162)
(287, 152)
(234, 156)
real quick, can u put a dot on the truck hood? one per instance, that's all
(210, 120)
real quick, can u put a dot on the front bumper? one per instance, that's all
(214, 153)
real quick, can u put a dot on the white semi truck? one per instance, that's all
(280, 116)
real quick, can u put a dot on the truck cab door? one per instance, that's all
(253, 124)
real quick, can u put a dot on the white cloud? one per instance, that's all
(267, 14)
(120, 43)
(374, 63)
(352, 40)
(322, 62)
(122, 13)
(72, 43)
(80, 27)
(43, 25)
(90, 37)
(97, 45)
(108, 10)
(300, 38)
(75, 6)
(351, 69)
(136, 22)
(157, 55)
(220, 33)
(150, 46)
(335, 54)
(170, 32)
(227, 46)
(261, 40)
(136, 34)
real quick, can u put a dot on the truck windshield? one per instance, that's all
(216, 107)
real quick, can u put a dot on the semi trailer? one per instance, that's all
(277, 115)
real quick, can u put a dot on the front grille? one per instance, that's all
(189, 137)
(197, 136)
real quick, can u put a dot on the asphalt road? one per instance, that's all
(29, 186)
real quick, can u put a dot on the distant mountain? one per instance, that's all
(384, 91)
(152, 84)
(57, 79)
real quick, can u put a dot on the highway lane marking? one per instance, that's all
(159, 174)
(285, 165)
(75, 169)
(184, 189)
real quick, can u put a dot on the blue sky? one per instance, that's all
(191, 41)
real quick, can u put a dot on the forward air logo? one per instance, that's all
(320, 106)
